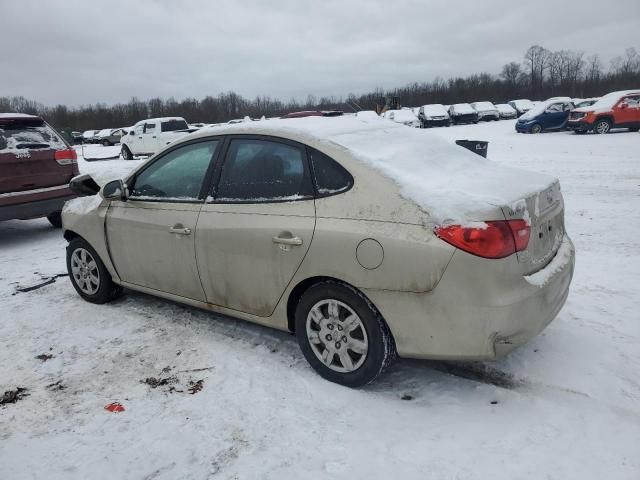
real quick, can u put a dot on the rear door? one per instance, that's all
(254, 233)
(28, 149)
(151, 235)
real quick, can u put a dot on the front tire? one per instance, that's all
(342, 336)
(55, 219)
(602, 126)
(126, 153)
(88, 275)
(535, 128)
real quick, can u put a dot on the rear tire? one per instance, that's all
(602, 126)
(337, 323)
(55, 219)
(88, 275)
(126, 153)
(634, 129)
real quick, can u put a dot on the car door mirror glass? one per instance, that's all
(115, 190)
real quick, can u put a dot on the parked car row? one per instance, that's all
(615, 110)
(106, 136)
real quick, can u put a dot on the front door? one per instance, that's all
(555, 115)
(254, 234)
(151, 235)
(628, 112)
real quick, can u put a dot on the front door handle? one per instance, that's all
(286, 238)
(178, 229)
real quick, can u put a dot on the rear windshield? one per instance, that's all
(173, 125)
(18, 136)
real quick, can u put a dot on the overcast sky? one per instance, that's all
(78, 51)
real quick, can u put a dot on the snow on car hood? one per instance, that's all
(449, 182)
(537, 110)
(484, 106)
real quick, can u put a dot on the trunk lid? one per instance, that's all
(544, 211)
(28, 149)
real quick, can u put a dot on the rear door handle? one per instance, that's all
(178, 229)
(285, 238)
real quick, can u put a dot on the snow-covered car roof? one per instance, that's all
(448, 181)
(462, 108)
(606, 102)
(17, 115)
(505, 108)
(483, 106)
(105, 132)
(523, 102)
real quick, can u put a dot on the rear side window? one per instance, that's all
(264, 171)
(19, 136)
(330, 177)
(173, 125)
(176, 176)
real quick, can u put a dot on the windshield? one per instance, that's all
(434, 110)
(173, 125)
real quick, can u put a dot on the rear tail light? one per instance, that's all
(66, 157)
(494, 239)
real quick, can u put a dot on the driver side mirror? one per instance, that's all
(115, 190)
(131, 132)
(624, 105)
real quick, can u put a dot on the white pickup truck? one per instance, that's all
(152, 135)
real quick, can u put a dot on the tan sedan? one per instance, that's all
(363, 237)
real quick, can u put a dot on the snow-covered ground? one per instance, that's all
(565, 406)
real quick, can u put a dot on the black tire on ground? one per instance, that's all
(381, 349)
(126, 153)
(106, 289)
(602, 126)
(634, 129)
(580, 132)
(55, 219)
(535, 128)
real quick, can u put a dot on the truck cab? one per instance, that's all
(148, 137)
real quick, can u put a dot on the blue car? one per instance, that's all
(551, 114)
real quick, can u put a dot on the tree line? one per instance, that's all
(541, 74)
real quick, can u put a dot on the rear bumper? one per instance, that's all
(480, 310)
(465, 119)
(34, 203)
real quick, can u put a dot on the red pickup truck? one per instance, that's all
(614, 110)
(36, 165)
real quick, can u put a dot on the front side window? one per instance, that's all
(330, 177)
(264, 171)
(173, 125)
(138, 130)
(556, 107)
(149, 128)
(631, 101)
(177, 175)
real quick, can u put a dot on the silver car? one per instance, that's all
(365, 238)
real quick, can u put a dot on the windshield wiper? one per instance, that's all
(33, 145)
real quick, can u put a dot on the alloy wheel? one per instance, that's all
(603, 127)
(85, 271)
(337, 336)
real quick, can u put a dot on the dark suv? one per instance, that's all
(36, 165)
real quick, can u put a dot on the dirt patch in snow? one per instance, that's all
(44, 281)
(44, 357)
(12, 396)
(478, 372)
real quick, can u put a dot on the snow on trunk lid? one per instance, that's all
(544, 211)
